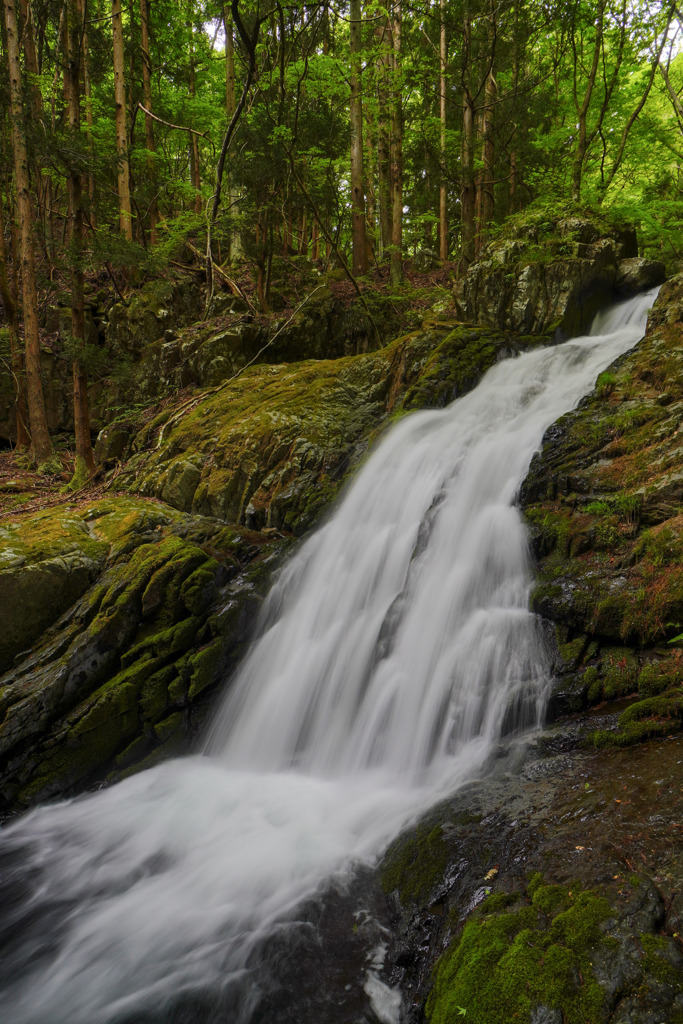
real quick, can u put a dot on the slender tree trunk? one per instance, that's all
(42, 448)
(234, 247)
(369, 183)
(125, 219)
(303, 233)
(31, 58)
(467, 193)
(384, 136)
(149, 123)
(85, 462)
(443, 196)
(87, 86)
(485, 189)
(396, 262)
(195, 172)
(359, 249)
(53, 189)
(8, 294)
(583, 108)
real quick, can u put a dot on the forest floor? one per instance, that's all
(23, 489)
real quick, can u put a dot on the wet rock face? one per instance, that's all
(553, 277)
(603, 499)
(163, 609)
(547, 894)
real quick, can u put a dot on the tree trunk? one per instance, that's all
(467, 193)
(486, 179)
(8, 294)
(125, 220)
(396, 262)
(32, 70)
(149, 123)
(85, 462)
(443, 220)
(582, 109)
(383, 137)
(195, 173)
(40, 439)
(369, 185)
(359, 250)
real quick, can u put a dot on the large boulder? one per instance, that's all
(46, 563)
(553, 276)
(270, 448)
(157, 609)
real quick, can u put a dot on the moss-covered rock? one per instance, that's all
(270, 448)
(47, 561)
(545, 895)
(604, 500)
(131, 666)
(534, 952)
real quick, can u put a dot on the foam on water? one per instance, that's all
(394, 650)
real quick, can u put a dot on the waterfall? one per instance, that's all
(394, 651)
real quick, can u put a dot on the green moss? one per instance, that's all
(604, 385)
(662, 546)
(571, 651)
(646, 719)
(197, 589)
(204, 666)
(513, 957)
(498, 901)
(658, 676)
(619, 669)
(666, 706)
(414, 864)
(661, 961)
(154, 695)
(170, 727)
(165, 644)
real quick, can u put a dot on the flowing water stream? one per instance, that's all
(394, 651)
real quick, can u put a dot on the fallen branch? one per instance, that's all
(232, 285)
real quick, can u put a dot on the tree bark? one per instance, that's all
(85, 461)
(467, 193)
(383, 136)
(125, 219)
(358, 243)
(31, 57)
(485, 202)
(40, 439)
(195, 173)
(583, 107)
(8, 294)
(443, 197)
(396, 260)
(149, 123)
(87, 87)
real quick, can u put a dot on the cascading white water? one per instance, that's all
(393, 651)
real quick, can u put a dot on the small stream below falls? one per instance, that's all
(394, 651)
